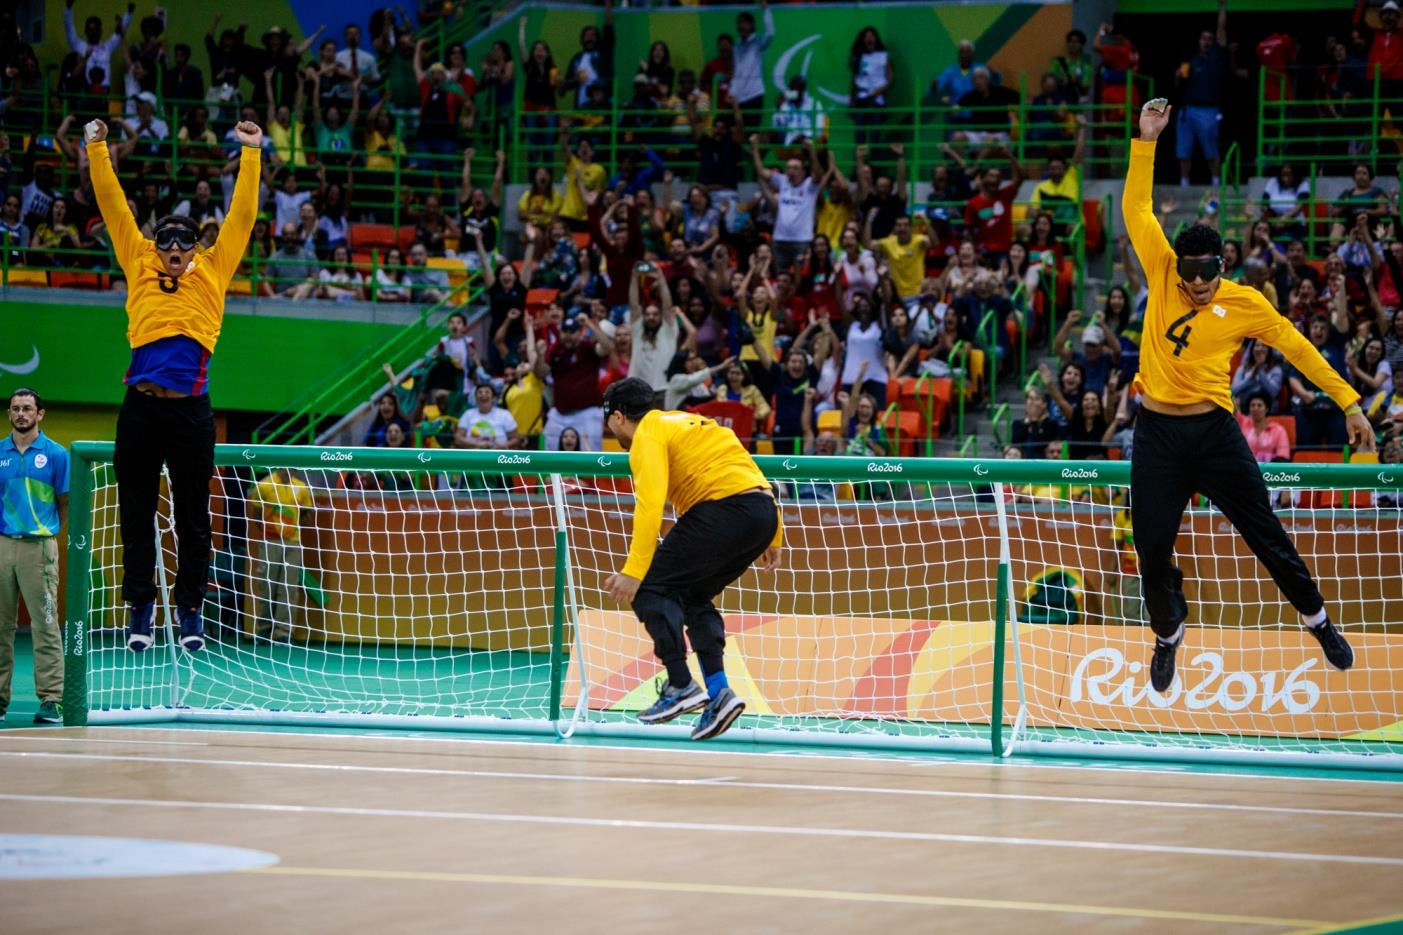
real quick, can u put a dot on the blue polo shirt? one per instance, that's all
(30, 485)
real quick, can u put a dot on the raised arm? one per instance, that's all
(1137, 202)
(419, 60)
(761, 176)
(498, 175)
(229, 249)
(521, 41)
(1222, 32)
(465, 183)
(768, 18)
(815, 167)
(127, 242)
(75, 43)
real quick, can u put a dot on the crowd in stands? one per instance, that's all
(804, 304)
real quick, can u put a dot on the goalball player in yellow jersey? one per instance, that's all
(175, 306)
(1186, 439)
(727, 520)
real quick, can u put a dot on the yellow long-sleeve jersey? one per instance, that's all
(192, 305)
(688, 459)
(1186, 350)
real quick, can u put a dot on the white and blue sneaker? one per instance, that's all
(139, 637)
(192, 629)
(719, 715)
(673, 702)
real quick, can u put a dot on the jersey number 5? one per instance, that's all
(169, 284)
(1180, 339)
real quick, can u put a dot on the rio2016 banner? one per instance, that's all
(1232, 681)
(815, 41)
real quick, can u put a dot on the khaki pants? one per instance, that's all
(278, 581)
(29, 568)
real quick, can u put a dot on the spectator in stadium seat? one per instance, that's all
(540, 204)
(594, 63)
(293, 268)
(861, 412)
(799, 116)
(1049, 121)
(1385, 48)
(857, 266)
(793, 382)
(1267, 439)
(224, 55)
(655, 326)
(1318, 420)
(992, 111)
(387, 413)
(573, 366)
(888, 196)
(1100, 349)
(486, 424)
(56, 233)
(899, 345)
(701, 223)
(551, 258)
(795, 195)
(1060, 188)
(719, 152)
(1201, 81)
(583, 176)
(1087, 430)
(209, 234)
(871, 68)
(331, 81)
(955, 81)
(150, 130)
(283, 58)
(1260, 371)
(864, 371)
(1359, 251)
(390, 284)
(1372, 376)
(182, 81)
(1365, 195)
(433, 227)
(440, 105)
(339, 280)
(356, 61)
(989, 212)
(1062, 390)
(747, 85)
(905, 254)
(14, 234)
(737, 387)
(1031, 434)
(202, 207)
(332, 130)
(96, 50)
(429, 285)
(1284, 203)
(1074, 69)
(984, 297)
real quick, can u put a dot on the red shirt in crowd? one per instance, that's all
(618, 261)
(575, 373)
(991, 219)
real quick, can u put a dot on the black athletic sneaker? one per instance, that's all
(719, 715)
(1162, 664)
(192, 629)
(1337, 650)
(139, 636)
(50, 712)
(673, 702)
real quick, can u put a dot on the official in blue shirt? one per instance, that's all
(33, 506)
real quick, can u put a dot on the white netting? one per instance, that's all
(437, 597)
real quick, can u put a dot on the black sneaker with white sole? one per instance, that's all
(719, 715)
(1332, 642)
(192, 629)
(139, 637)
(673, 702)
(1162, 663)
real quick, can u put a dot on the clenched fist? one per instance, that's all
(95, 131)
(248, 133)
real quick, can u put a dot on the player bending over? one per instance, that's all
(727, 520)
(1186, 439)
(175, 304)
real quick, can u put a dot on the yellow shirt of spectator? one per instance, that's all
(907, 262)
(525, 400)
(1186, 351)
(381, 150)
(280, 499)
(594, 178)
(539, 209)
(287, 142)
(157, 305)
(686, 459)
(832, 217)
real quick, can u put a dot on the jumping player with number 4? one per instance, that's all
(1186, 440)
(175, 307)
(727, 520)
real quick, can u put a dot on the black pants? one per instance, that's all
(1177, 456)
(179, 433)
(709, 547)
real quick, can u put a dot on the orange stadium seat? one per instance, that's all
(28, 277)
(903, 429)
(67, 279)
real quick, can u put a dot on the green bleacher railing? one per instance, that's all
(1301, 127)
(364, 375)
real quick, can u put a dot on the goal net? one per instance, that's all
(990, 606)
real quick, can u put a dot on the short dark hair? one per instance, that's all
(458, 315)
(631, 396)
(26, 391)
(1198, 240)
(182, 47)
(1076, 34)
(745, 16)
(179, 220)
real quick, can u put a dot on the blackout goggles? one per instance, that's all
(1206, 269)
(168, 238)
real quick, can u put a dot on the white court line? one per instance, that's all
(936, 758)
(793, 830)
(729, 781)
(24, 734)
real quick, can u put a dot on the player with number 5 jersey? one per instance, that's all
(175, 309)
(1186, 439)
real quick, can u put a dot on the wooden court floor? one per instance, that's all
(460, 834)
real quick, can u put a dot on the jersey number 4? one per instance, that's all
(1180, 338)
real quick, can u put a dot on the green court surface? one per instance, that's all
(514, 686)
